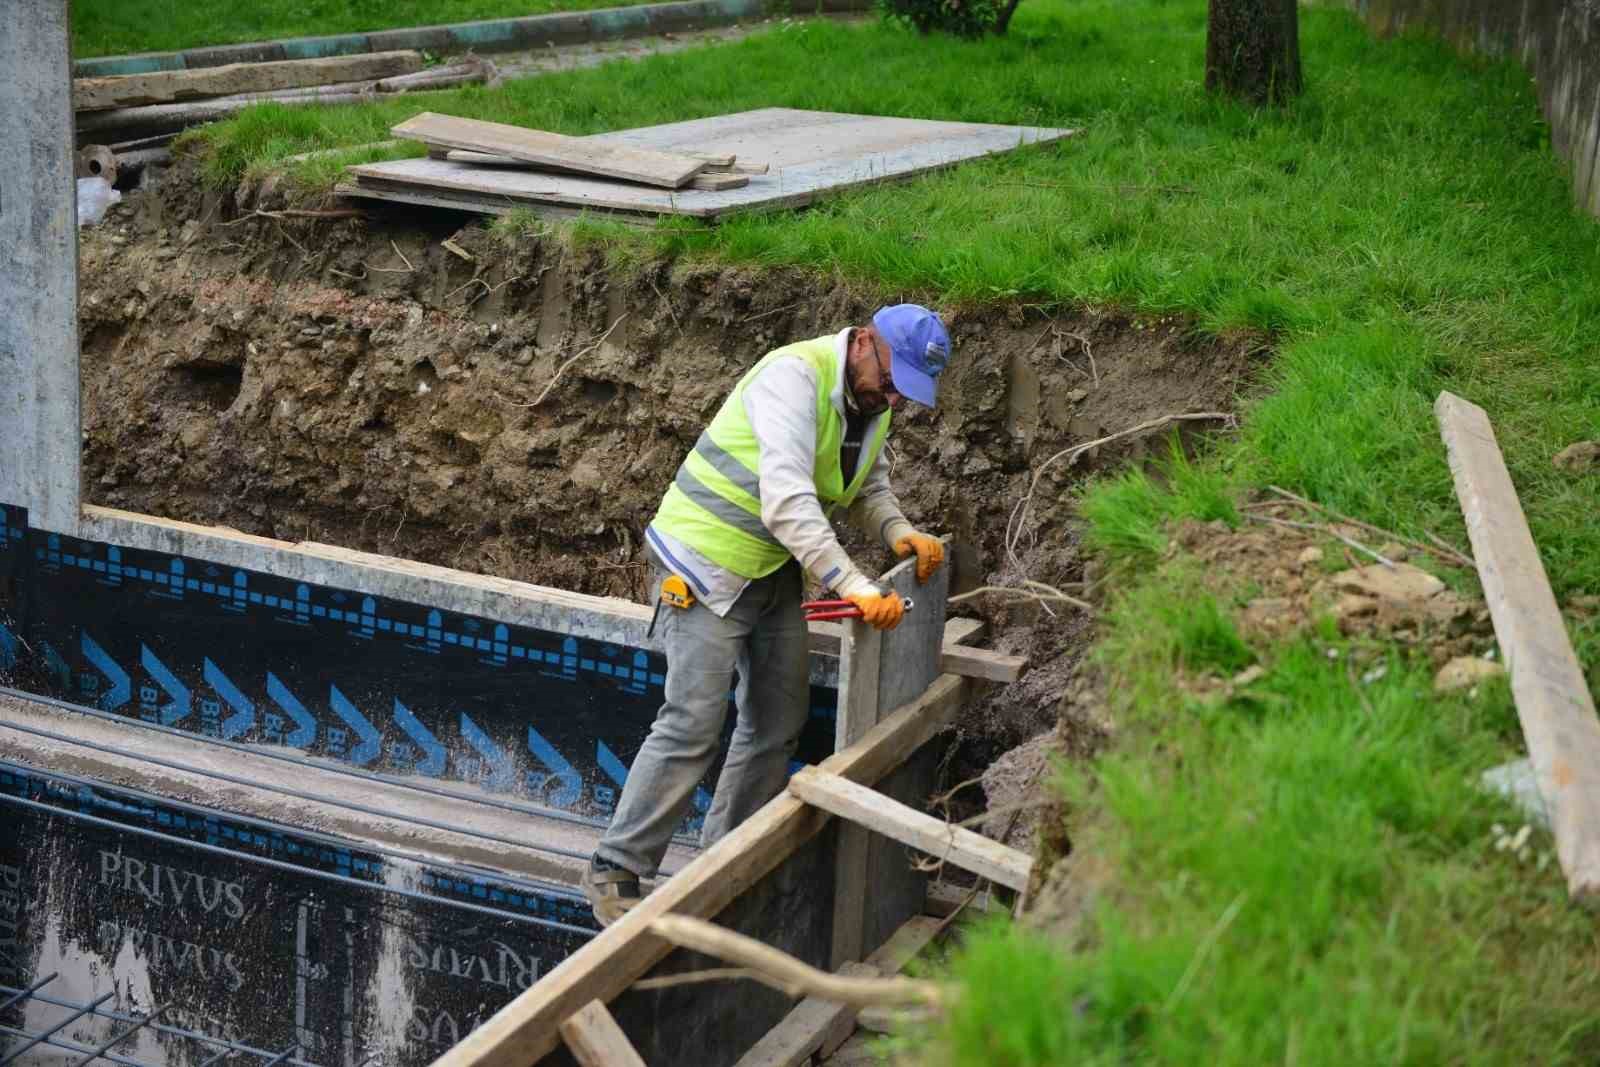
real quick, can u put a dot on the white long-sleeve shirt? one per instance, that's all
(779, 402)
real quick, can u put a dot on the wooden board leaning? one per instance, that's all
(1552, 696)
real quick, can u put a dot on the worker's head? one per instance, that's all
(899, 356)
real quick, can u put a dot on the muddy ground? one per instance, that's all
(355, 381)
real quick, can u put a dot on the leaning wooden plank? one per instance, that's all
(953, 844)
(176, 86)
(817, 1025)
(595, 1039)
(524, 1030)
(665, 169)
(1547, 682)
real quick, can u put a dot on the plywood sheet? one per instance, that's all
(811, 153)
(614, 159)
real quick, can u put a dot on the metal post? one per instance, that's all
(39, 450)
(62, 1025)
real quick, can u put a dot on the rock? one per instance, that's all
(1579, 457)
(1465, 672)
(1078, 394)
(1309, 556)
(1403, 582)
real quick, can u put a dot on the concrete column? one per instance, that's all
(39, 434)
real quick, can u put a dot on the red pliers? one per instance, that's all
(824, 610)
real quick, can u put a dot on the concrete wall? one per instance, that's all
(38, 267)
(1558, 40)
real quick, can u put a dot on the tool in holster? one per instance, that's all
(824, 610)
(675, 594)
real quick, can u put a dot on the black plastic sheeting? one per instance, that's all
(379, 959)
(380, 684)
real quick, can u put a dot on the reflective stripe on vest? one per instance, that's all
(714, 503)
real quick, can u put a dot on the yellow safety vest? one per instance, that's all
(714, 503)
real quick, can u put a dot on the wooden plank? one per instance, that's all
(859, 663)
(895, 890)
(806, 1028)
(552, 149)
(821, 1026)
(960, 631)
(826, 638)
(703, 180)
(954, 844)
(1552, 696)
(524, 1030)
(174, 86)
(596, 1040)
(811, 154)
(982, 663)
(714, 182)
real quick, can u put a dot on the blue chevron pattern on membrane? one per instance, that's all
(380, 684)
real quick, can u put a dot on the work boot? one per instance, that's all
(611, 890)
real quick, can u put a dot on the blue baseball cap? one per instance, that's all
(919, 349)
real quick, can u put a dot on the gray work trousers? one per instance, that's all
(763, 637)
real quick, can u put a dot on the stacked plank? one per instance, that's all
(472, 142)
(160, 104)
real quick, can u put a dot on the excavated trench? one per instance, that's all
(421, 386)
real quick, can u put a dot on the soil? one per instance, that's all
(515, 406)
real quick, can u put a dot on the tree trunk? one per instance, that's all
(1253, 49)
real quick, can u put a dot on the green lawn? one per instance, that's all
(116, 27)
(1306, 876)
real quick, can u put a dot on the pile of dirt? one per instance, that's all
(419, 385)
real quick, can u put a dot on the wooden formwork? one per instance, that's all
(823, 891)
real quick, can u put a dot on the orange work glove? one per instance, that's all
(879, 611)
(929, 550)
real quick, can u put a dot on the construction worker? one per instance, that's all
(801, 435)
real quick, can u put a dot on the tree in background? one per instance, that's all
(1253, 50)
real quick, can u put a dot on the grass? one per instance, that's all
(114, 27)
(1304, 874)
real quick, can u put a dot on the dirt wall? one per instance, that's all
(361, 382)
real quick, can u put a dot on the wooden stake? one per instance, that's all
(596, 1040)
(1547, 682)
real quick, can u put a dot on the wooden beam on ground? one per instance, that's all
(595, 1039)
(526, 1029)
(954, 844)
(1547, 682)
(665, 169)
(821, 1026)
(176, 86)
